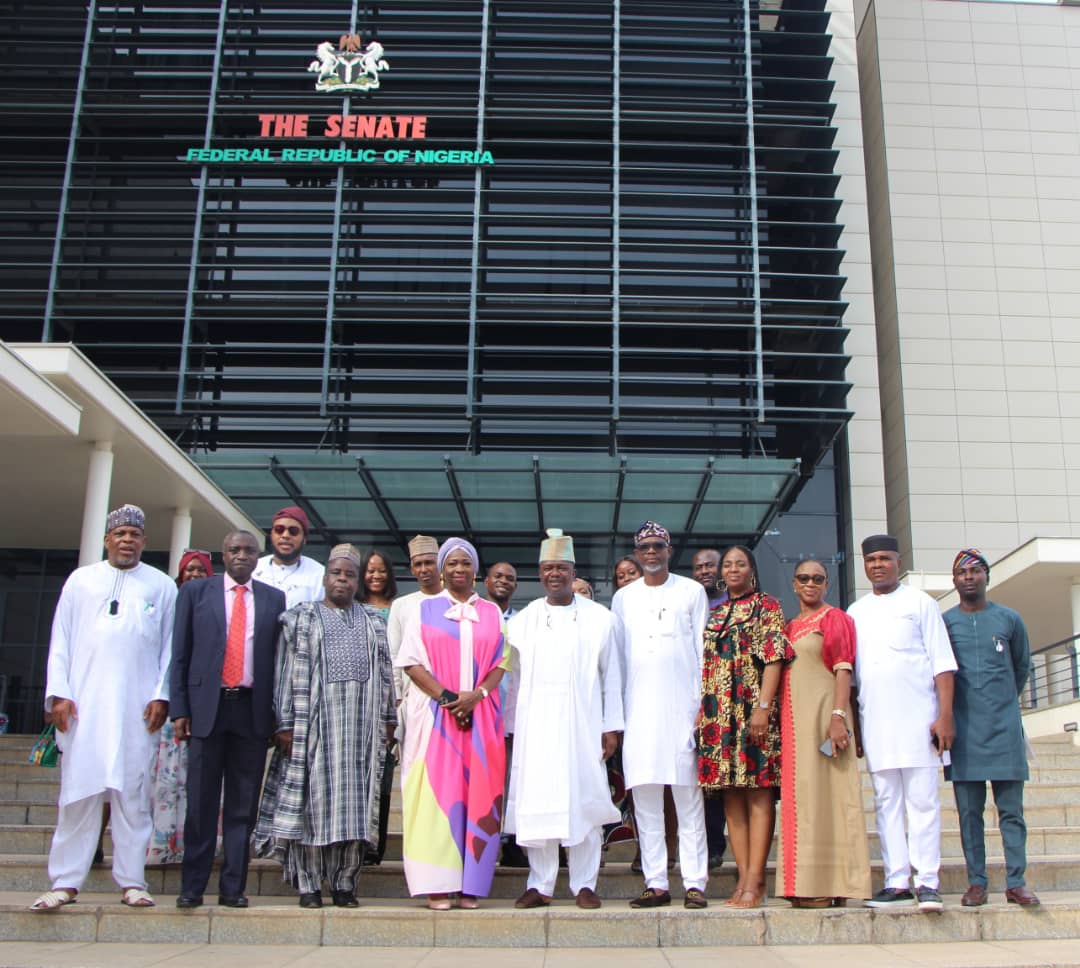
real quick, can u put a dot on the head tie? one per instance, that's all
(457, 544)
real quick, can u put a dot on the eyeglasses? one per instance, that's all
(293, 530)
(652, 546)
(808, 579)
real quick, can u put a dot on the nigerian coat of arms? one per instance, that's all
(348, 67)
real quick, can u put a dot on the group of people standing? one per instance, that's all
(691, 687)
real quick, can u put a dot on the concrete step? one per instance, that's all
(30, 839)
(101, 918)
(27, 872)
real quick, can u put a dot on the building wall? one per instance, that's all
(972, 131)
(865, 508)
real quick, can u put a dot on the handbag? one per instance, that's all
(44, 751)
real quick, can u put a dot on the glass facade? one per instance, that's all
(637, 301)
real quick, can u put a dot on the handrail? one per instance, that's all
(1052, 681)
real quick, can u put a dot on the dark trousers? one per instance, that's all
(385, 792)
(1009, 800)
(232, 754)
(714, 828)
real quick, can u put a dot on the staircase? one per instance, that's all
(388, 917)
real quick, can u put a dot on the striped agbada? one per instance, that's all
(333, 689)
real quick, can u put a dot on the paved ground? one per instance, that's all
(976, 954)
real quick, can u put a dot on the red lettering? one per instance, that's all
(419, 126)
(283, 125)
(364, 127)
(333, 126)
(385, 128)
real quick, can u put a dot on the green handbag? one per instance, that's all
(44, 752)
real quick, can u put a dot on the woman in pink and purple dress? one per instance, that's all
(454, 756)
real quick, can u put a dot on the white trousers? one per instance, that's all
(693, 852)
(583, 861)
(910, 792)
(78, 826)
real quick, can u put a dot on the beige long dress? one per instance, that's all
(823, 850)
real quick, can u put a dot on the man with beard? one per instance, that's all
(567, 710)
(299, 577)
(107, 690)
(663, 625)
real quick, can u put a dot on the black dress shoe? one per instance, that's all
(188, 901)
(345, 899)
(311, 900)
(234, 902)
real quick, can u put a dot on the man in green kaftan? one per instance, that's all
(992, 655)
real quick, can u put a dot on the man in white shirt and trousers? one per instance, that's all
(107, 690)
(565, 708)
(904, 675)
(286, 567)
(662, 620)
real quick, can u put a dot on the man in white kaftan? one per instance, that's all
(566, 711)
(904, 675)
(107, 691)
(662, 617)
(423, 556)
(286, 568)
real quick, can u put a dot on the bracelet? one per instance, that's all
(483, 692)
(841, 713)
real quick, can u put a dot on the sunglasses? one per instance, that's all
(292, 530)
(808, 579)
(652, 546)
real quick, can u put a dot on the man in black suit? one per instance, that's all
(222, 689)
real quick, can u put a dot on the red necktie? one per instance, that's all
(232, 670)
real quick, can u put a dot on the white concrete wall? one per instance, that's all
(974, 191)
(865, 513)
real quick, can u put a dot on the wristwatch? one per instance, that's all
(483, 691)
(842, 713)
(763, 705)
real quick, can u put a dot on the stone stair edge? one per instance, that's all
(497, 924)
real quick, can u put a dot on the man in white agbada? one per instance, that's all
(904, 675)
(565, 708)
(107, 691)
(662, 617)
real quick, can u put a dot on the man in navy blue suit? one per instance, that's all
(222, 689)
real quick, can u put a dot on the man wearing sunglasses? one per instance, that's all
(662, 624)
(286, 568)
